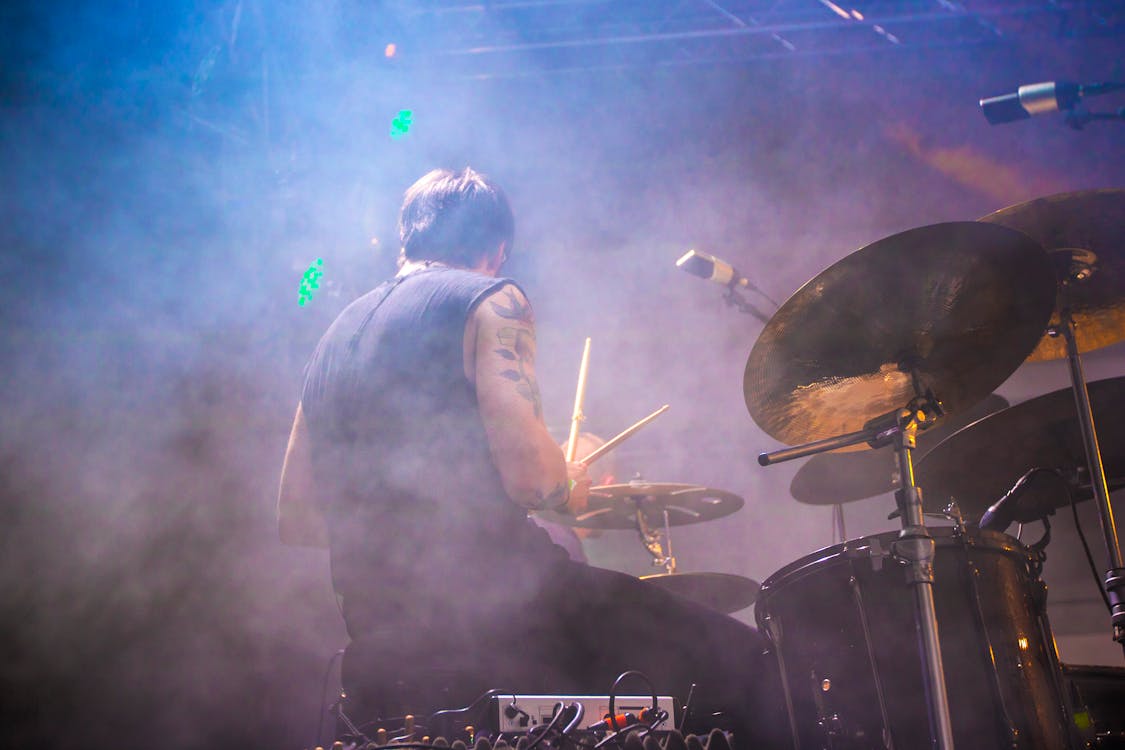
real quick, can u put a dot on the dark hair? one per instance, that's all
(456, 217)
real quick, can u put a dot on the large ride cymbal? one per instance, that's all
(978, 464)
(615, 506)
(951, 308)
(831, 478)
(1084, 234)
(724, 592)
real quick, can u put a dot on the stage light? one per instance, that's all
(310, 282)
(400, 126)
(836, 9)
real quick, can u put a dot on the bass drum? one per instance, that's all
(842, 624)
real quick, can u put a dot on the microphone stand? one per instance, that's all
(737, 301)
(1079, 117)
(1115, 575)
(914, 546)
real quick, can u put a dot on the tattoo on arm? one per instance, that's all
(517, 309)
(517, 344)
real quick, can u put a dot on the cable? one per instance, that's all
(545, 729)
(324, 696)
(617, 684)
(655, 708)
(1086, 547)
(579, 712)
(476, 702)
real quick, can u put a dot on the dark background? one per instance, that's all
(171, 169)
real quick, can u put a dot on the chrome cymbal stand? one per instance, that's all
(1115, 577)
(654, 540)
(915, 546)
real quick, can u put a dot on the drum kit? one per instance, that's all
(928, 637)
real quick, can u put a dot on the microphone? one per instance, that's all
(1008, 509)
(711, 268)
(1040, 98)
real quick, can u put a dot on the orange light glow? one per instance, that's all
(390, 50)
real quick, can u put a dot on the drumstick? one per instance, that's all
(579, 397)
(613, 442)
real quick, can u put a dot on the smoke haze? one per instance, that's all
(172, 169)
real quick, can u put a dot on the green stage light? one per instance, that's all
(310, 282)
(400, 126)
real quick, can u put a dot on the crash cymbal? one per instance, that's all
(724, 592)
(1084, 233)
(953, 308)
(830, 478)
(978, 464)
(615, 506)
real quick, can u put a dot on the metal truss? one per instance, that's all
(503, 38)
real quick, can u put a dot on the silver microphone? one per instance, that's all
(1041, 98)
(711, 268)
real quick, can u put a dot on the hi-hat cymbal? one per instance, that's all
(951, 308)
(615, 506)
(724, 592)
(830, 478)
(978, 464)
(1084, 233)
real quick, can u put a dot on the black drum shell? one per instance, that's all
(842, 623)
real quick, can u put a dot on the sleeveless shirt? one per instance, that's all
(416, 513)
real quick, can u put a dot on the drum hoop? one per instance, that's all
(880, 545)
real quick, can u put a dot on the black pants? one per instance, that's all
(583, 628)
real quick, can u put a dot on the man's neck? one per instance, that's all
(412, 266)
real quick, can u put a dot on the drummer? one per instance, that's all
(417, 448)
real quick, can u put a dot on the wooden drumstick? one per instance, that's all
(615, 441)
(579, 397)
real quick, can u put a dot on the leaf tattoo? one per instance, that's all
(517, 345)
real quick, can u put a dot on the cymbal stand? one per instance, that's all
(1115, 576)
(654, 541)
(838, 526)
(914, 546)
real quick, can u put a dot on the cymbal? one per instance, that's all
(724, 592)
(953, 308)
(615, 506)
(830, 478)
(1084, 233)
(978, 464)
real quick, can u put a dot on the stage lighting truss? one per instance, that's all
(506, 38)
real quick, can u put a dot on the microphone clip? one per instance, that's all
(737, 301)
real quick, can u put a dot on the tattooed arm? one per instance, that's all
(500, 360)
